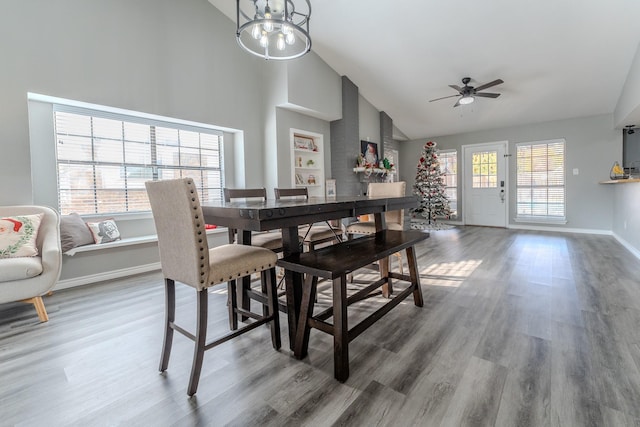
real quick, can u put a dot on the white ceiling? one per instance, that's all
(558, 58)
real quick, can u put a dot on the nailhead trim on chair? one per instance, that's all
(255, 270)
(198, 225)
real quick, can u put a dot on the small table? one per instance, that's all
(287, 215)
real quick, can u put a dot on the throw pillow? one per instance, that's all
(74, 232)
(104, 231)
(18, 235)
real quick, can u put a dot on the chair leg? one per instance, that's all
(269, 276)
(40, 308)
(387, 288)
(232, 305)
(200, 341)
(399, 255)
(169, 317)
(263, 287)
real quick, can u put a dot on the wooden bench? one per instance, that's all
(334, 263)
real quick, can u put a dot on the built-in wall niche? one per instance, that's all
(631, 151)
(307, 156)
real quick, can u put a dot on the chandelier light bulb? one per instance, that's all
(291, 38)
(280, 44)
(264, 40)
(256, 32)
(268, 25)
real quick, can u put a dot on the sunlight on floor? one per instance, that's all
(449, 274)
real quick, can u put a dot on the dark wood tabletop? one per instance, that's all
(287, 215)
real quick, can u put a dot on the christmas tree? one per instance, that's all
(429, 186)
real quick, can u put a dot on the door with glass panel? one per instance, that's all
(485, 185)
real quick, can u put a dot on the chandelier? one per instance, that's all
(274, 29)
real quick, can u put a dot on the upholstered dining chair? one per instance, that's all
(312, 234)
(394, 220)
(185, 257)
(269, 239)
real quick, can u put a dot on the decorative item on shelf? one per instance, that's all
(617, 172)
(299, 162)
(330, 186)
(274, 30)
(299, 179)
(387, 165)
(311, 180)
(304, 143)
(310, 163)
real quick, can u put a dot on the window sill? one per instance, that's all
(541, 220)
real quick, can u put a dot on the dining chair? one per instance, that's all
(185, 257)
(394, 220)
(312, 234)
(268, 239)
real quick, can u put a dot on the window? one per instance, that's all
(449, 166)
(103, 160)
(540, 180)
(485, 169)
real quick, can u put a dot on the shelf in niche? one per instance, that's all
(303, 150)
(306, 168)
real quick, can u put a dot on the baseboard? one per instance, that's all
(627, 245)
(559, 229)
(107, 275)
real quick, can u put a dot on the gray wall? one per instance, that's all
(592, 145)
(369, 120)
(626, 217)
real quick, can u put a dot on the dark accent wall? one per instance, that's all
(386, 134)
(345, 142)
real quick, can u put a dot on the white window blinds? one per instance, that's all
(103, 162)
(541, 180)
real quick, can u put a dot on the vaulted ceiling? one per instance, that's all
(558, 58)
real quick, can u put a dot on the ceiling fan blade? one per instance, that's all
(456, 87)
(457, 103)
(487, 95)
(490, 84)
(444, 97)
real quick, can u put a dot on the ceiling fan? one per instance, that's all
(468, 93)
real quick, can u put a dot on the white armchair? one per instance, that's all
(31, 289)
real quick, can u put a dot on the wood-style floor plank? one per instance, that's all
(518, 329)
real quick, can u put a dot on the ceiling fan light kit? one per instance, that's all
(274, 29)
(468, 93)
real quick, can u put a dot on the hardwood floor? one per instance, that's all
(518, 329)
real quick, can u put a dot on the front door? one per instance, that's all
(485, 186)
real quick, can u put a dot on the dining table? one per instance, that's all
(248, 216)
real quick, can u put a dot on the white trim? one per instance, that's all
(129, 241)
(560, 229)
(541, 220)
(122, 111)
(107, 275)
(627, 245)
(117, 244)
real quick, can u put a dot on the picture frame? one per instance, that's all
(302, 142)
(369, 151)
(330, 188)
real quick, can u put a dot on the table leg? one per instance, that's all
(293, 282)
